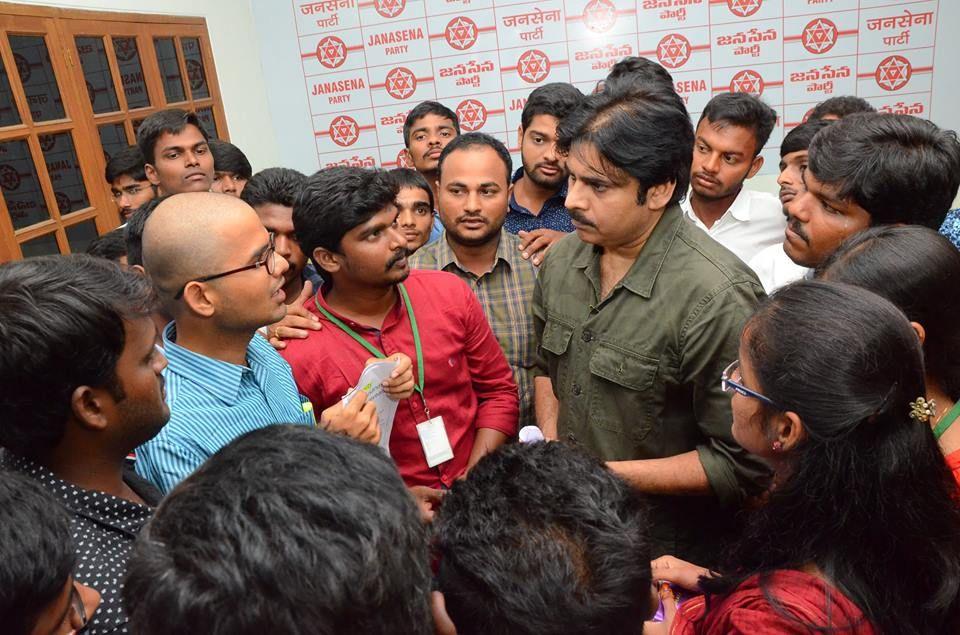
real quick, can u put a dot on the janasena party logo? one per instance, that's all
(819, 36)
(533, 66)
(747, 81)
(461, 33)
(744, 8)
(344, 130)
(673, 51)
(401, 83)
(893, 73)
(331, 51)
(472, 115)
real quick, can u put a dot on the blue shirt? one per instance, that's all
(213, 402)
(436, 230)
(553, 215)
(951, 227)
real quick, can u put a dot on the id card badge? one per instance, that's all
(433, 438)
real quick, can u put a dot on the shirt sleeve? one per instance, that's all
(164, 463)
(539, 313)
(710, 341)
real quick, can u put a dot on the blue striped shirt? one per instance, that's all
(213, 402)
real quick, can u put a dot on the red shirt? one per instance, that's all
(467, 379)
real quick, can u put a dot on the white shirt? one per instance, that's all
(753, 221)
(775, 269)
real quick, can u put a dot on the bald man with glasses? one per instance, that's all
(217, 274)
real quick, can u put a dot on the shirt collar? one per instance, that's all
(393, 316)
(220, 378)
(739, 208)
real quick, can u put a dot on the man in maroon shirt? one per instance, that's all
(466, 402)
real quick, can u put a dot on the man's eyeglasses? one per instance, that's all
(130, 190)
(267, 260)
(730, 385)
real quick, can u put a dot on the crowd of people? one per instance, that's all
(621, 392)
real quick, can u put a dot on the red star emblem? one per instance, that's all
(389, 8)
(747, 82)
(331, 51)
(344, 131)
(893, 72)
(673, 50)
(600, 15)
(819, 36)
(533, 66)
(404, 160)
(461, 33)
(472, 115)
(744, 8)
(401, 83)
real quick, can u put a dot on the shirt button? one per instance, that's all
(576, 390)
(586, 336)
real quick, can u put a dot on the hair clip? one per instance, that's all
(922, 410)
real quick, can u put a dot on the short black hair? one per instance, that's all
(229, 158)
(133, 231)
(745, 111)
(476, 140)
(632, 73)
(79, 303)
(556, 99)
(840, 107)
(543, 538)
(277, 186)
(171, 120)
(288, 529)
(408, 177)
(335, 200)
(126, 162)
(900, 169)
(423, 109)
(112, 245)
(36, 551)
(645, 134)
(800, 137)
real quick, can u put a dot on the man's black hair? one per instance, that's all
(556, 99)
(112, 245)
(543, 538)
(408, 177)
(229, 158)
(36, 551)
(476, 140)
(335, 200)
(840, 107)
(745, 111)
(636, 73)
(288, 529)
(423, 109)
(899, 168)
(171, 120)
(126, 162)
(79, 303)
(800, 137)
(645, 134)
(133, 231)
(277, 186)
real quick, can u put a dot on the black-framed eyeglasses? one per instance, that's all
(730, 385)
(267, 259)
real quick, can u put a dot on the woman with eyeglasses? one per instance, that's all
(860, 533)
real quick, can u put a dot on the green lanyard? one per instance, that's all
(377, 352)
(947, 420)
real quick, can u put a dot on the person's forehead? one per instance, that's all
(544, 124)
(385, 216)
(274, 214)
(726, 135)
(125, 180)
(411, 195)
(474, 163)
(793, 157)
(585, 161)
(431, 121)
(189, 136)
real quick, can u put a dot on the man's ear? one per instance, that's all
(152, 175)
(326, 260)
(199, 299)
(755, 166)
(138, 269)
(88, 406)
(659, 195)
(921, 332)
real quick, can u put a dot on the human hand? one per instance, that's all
(297, 323)
(358, 419)
(428, 500)
(400, 384)
(534, 244)
(684, 574)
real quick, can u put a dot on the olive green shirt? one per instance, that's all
(637, 373)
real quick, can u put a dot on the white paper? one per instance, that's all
(370, 382)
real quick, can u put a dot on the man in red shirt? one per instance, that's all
(466, 402)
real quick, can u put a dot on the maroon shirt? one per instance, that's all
(467, 379)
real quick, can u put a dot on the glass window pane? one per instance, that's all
(205, 115)
(196, 73)
(169, 69)
(64, 170)
(45, 245)
(81, 235)
(36, 75)
(21, 185)
(8, 109)
(112, 138)
(96, 70)
(131, 72)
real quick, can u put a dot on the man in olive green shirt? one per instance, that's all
(637, 315)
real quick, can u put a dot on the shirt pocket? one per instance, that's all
(622, 398)
(553, 348)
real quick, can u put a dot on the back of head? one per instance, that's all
(229, 158)
(172, 121)
(798, 139)
(335, 200)
(410, 178)
(61, 326)
(899, 168)
(474, 141)
(840, 107)
(919, 271)
(36, 552)
(126, 162)
(637, 73)
(543, 538)
(111, 246)
(556, 99)
(277, 186)
(743, 110)
(133, 231)
(423, 109)
(645, 134)
(288, 529)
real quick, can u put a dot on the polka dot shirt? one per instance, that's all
(104, 528)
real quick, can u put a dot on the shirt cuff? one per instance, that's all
(721, 475)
